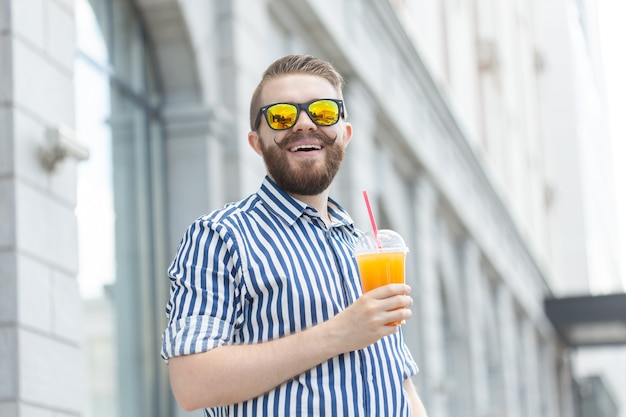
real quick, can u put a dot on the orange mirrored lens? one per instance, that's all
(324, 112)
(281, 116)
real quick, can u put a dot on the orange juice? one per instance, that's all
(381, 268)
(380, 256)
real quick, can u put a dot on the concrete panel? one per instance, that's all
(41, 87)
(51, 372)
(8, 297)
(61, 38)
(186, 158)
(7, 208)
(6, 73)
(8, 368)
(34, 411)
(8, 409)
(28, 138)
(47, 228)
(67, 322)
(6, 141)
(28, 21)
(66, 4)
(5, 7)
(33, 294)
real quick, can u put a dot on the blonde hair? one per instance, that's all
(294, 64)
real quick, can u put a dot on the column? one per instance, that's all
(475, 298)
(195, 167)
(509, 349)
(40, 308)
(427, 314)
(531, 376)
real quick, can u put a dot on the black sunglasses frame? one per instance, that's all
(298, 106)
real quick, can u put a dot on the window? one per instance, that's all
(120, 211)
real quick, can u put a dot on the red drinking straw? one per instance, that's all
(372, 220)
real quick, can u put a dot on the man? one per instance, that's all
(266, 314)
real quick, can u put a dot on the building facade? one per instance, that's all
(452, 107)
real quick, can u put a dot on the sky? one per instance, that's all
(612, 15)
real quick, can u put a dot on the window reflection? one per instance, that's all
(120, 211)
(95, 191)
(95, 214)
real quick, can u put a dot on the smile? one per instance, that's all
(305, 148)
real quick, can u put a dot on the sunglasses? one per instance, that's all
(280, 116)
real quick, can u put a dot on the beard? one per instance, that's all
(308, 178)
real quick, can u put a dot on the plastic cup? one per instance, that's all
(381, 259)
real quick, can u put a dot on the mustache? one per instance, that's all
(288, 140)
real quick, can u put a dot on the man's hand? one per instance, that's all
(367, 320)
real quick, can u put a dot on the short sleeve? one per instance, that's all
(410, 366)
(204, 293)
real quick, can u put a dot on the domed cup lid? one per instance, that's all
(385, 241)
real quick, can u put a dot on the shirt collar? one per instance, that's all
(290, 209)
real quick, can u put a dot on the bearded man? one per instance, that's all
(266, 313)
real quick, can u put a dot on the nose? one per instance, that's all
(304, 122)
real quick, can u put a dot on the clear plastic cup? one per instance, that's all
(381, 258)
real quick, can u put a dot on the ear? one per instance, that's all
(348, 134)
(255, 142)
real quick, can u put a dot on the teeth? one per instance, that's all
(305, 148)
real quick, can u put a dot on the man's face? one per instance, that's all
(304, 159)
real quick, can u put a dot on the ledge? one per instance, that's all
(589, 320)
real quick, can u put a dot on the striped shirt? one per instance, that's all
(266, 267)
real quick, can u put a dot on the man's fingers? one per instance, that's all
(389, 290)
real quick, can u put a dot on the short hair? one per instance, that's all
(294, 64)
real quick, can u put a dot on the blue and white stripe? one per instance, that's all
(267, 267)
